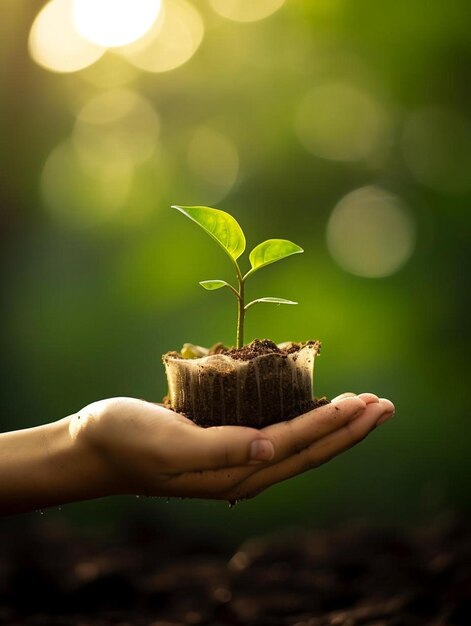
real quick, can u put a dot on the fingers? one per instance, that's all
(318, 453)
(243, 482)
(366, 397)
(220, 447)
(297, 434)
(194, 449)
(288, 438)
(351, 434)
(347, 394)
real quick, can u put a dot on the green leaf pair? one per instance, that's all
(226, 231)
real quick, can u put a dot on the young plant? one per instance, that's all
(225, 230)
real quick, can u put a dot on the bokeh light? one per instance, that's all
(386, 103)
(116, 126)
(173, 40)
(113, 23)
(78, 197)
(54, 42)
(436, 145)
(213, 161)
(371, 233)
(341, 122)
(110, 72)
(246, 10)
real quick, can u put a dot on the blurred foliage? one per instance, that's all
(275, 121)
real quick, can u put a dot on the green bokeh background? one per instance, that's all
(89, 309)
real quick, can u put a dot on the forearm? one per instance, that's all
(46, 466)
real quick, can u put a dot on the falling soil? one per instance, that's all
(357, 575)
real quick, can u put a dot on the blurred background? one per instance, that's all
(344, 126)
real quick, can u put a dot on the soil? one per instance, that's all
(265, 346)
(357, 575)
(257, 385)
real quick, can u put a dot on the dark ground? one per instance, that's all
(353, 575)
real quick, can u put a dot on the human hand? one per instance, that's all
(144, 448)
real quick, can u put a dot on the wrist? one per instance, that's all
(75, 469)
(52, 464)
(47, 466)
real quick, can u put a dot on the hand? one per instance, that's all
(144, 448)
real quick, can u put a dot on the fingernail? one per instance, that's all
(388, 405)
(384, 417)
(369, 398)
(261, 450)
(344, 396)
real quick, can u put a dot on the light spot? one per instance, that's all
(341, 122)
(54, 42)
(246, 10)
(222, 594)
(118, 126)
(239, 562)
(113, 23)
(78, 197)
(436, 145)
(173, 40)
(371, 233)
(213, 161)
(110, 72)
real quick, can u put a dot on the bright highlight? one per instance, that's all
(246, 10)
(54, 42)
(114, 23)
(173, 40)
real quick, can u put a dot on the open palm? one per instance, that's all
(145, 448)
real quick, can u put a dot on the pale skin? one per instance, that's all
(128, 446)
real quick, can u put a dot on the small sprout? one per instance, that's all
(225, 230)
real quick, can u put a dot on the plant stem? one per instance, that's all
(240, 313)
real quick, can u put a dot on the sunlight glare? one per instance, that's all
(173, 40)
(54, 42)
(114, 23)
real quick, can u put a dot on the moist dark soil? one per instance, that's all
(265, 346)
(357, 575)
(256, 385)
(257, 347)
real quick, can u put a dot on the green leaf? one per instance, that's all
(270, 301)
(270, 251)
(210, 285)
(219, 225)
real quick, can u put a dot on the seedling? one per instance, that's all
(226, 231)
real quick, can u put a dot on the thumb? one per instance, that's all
(219, 447)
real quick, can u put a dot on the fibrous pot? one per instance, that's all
(257, 385)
